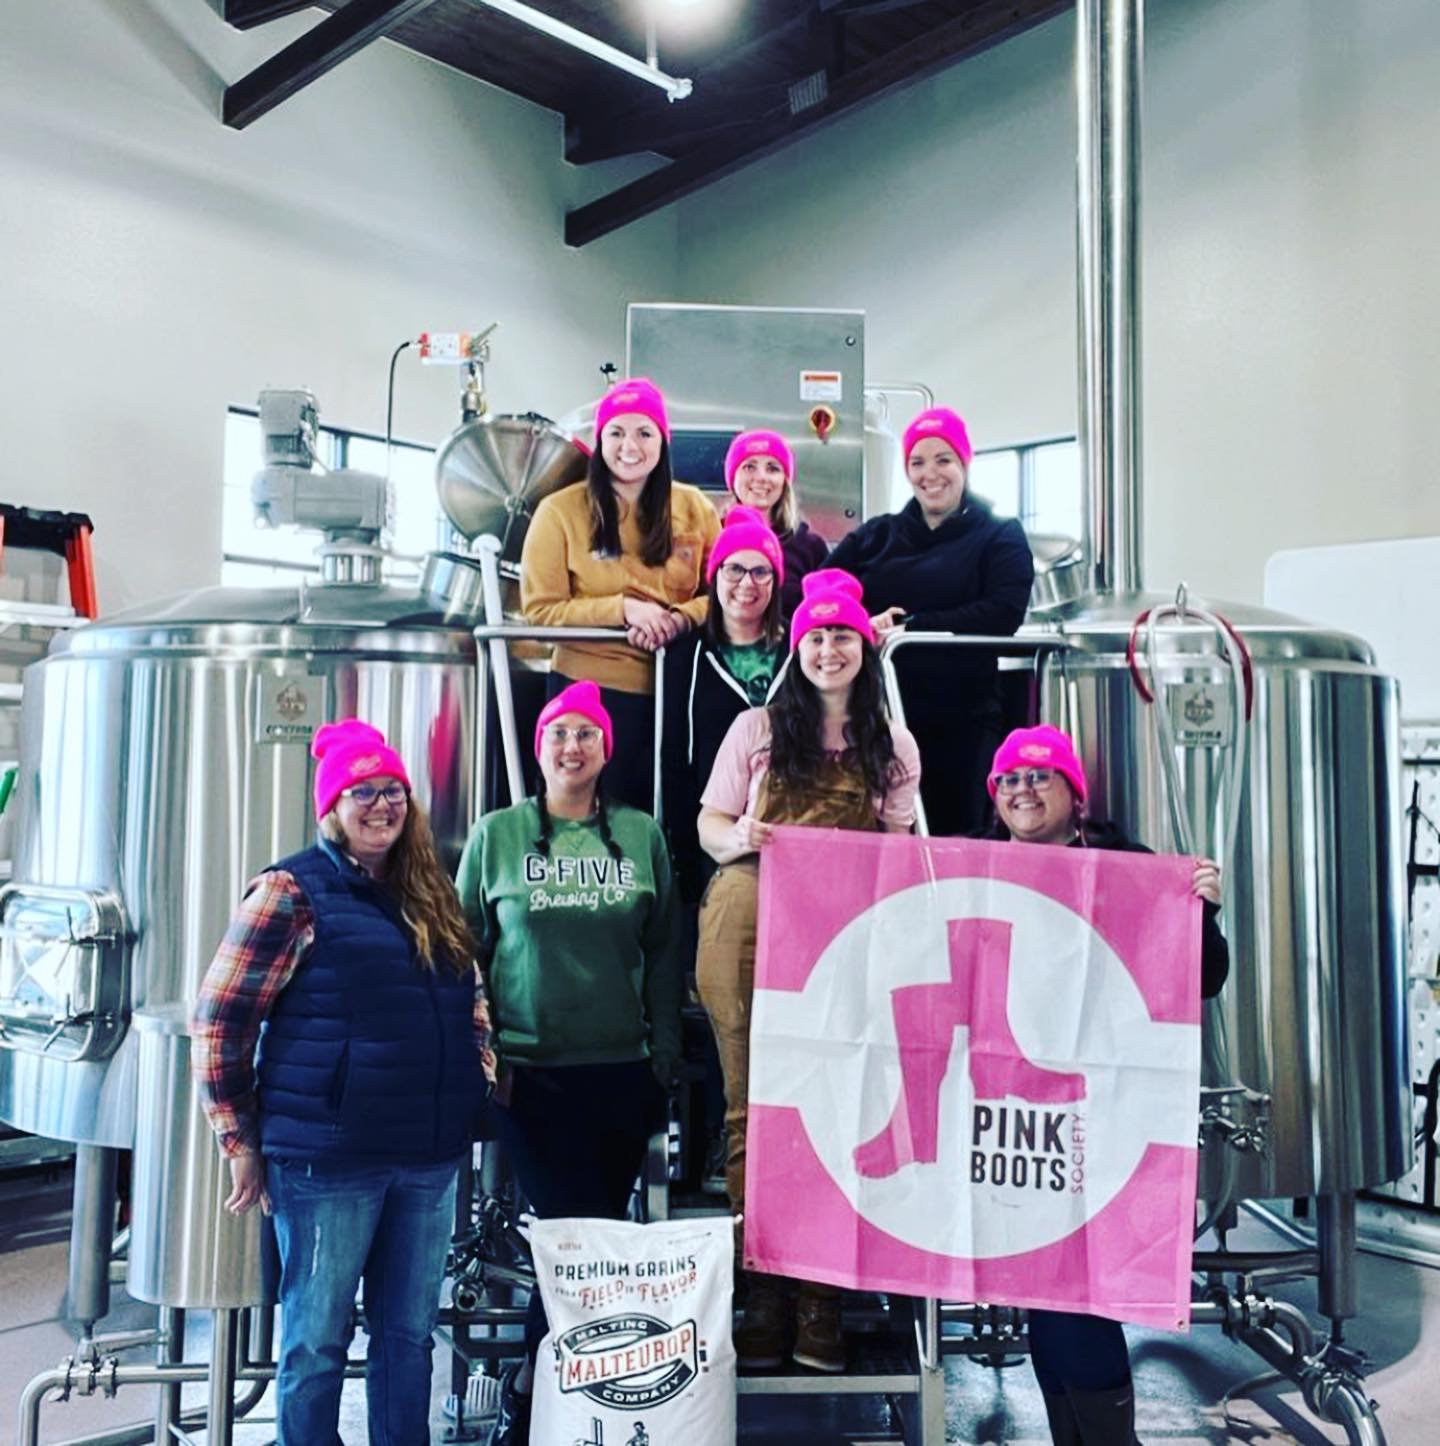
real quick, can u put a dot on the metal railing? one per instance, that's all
(1037, 648)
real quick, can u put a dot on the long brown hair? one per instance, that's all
(428, 901)
(652, 511)
(797, 719)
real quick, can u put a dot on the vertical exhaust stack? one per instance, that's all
(1108, 61)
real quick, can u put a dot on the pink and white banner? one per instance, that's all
(975, 1072)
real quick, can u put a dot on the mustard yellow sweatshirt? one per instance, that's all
(565, 584)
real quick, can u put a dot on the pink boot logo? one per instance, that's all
(926, 1018)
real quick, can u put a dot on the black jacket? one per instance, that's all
(804, 551)
(971, 574)
(1214, 950)
(701, 701)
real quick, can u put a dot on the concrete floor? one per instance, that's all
(1182, 1381)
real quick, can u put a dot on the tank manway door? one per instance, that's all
(64, 971)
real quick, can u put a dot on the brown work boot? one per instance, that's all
(760, 1336)
(819, 1341)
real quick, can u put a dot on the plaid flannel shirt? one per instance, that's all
(267, 939)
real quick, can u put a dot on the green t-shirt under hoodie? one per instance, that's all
(581, 950)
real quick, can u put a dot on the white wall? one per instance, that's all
(1292, 308)
(156, 266)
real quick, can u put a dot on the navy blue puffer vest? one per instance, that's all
(365, 1055)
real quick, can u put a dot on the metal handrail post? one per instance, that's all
(657, 777)
(489, 551)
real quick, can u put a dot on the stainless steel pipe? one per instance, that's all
(221, 1416)
(1108, 63)
(489, 551)
(1335, 1235)
(108, 1377)
(92, 1229)
(170, 1352)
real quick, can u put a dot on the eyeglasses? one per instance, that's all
(560, 735)
(366, 793)
(735, 572)
(1037, 779)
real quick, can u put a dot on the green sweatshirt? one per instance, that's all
(581, 951)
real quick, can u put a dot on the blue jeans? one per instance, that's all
(336, 1224)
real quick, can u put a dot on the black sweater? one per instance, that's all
(971, 574)
(701, 701)
(1214, 950)
(804, 551)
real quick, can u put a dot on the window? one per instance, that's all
(258, 556)
(1038, 482)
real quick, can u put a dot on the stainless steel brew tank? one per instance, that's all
(165, 760)
(1313, 1013)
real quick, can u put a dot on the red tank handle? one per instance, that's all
(1137, 676)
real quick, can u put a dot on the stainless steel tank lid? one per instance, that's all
(359, 617)
(1101, 623)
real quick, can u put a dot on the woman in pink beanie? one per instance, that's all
(571, 900)
(712, 675)
(1041, 796)
(760, 471)
(341, 1054)
(627, 549)
(821, 753)
(945, 563)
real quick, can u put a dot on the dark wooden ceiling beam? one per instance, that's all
(667, 129)
(247, 14)
(978, 29)
(307, 58)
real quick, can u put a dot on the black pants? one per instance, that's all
(576, 1136)
(630, 773)
(1078, 1352)
(955, 756)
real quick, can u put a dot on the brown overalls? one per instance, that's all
(725, 956)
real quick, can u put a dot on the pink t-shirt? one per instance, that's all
(744, 758)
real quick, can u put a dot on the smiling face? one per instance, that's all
(743, 600)
(831, 657)
(1036, 812)
(759, 482)
(630, 446)
(937, 477)
(572, 753)
(371, 823)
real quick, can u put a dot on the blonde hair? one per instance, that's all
(785, 512)
(428, 901)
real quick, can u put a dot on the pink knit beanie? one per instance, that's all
(583, 698)
(745, 530)
(349, 752)
(639, 394)
(758, 444)
(1042, 747)
(938, 422)
(833, 599)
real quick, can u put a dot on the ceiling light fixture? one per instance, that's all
(674, 87)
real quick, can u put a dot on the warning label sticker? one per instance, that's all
(821, 386)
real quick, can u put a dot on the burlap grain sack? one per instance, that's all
(639, 1350)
